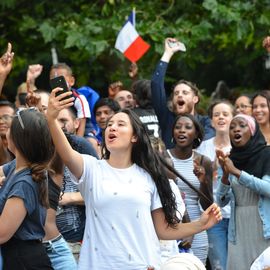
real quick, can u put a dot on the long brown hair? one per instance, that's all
(31, 136)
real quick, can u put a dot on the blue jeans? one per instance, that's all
(218, 245)
(60, 255)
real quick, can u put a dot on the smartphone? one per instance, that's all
(181, 45)
(59, 82)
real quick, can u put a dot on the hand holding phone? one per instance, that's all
(59, 82)
(181, 46)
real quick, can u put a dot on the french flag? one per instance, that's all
(129, 42)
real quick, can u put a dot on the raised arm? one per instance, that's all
(6, 61)
(159, 98)
(33, 72)
(72, 159)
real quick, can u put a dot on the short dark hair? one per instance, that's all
(112, 104)
(7, 103)
(141, 90)
(198, 128)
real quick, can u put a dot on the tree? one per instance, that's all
(223, 39)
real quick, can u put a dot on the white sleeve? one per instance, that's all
(85, 181)
(82, 107)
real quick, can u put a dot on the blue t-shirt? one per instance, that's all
(21, 185)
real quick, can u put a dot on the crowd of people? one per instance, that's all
(134, 180)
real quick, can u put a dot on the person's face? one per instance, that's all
(184, 100)
(243, 105)
(63, 72)
(261, 110)
(103, 113)
(67, 122)
(222, 116)
(239, 132)
(6, 115)
(125, 99)
(184, 132)
(119, 133)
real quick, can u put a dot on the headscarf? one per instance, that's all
(250, 121)
(254, 156)
(183, 261)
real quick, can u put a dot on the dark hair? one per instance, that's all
(147, 158)
(34, 142)
(72, 111)
(112, 104)
(262, 93)
(62, 66)
(141, 90)
(217, 102)
(198, 128)
(22, 98)
(7, 103)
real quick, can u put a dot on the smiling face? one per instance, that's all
(184, 132)
(243, 105)
(125, 99)
(6, 115)
(261, 110)
(103, 113)
(240, 133)
(221, 117)
(184, 99)
(119, 133)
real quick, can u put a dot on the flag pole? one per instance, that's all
(134, 17)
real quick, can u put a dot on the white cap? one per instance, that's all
(183, 261)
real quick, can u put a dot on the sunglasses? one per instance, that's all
(20, 110)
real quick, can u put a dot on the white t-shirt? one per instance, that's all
(119, 231)
(82, 106)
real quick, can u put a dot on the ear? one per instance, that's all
(71, 81)
(76, 123)
(195, 99)
(134, 139)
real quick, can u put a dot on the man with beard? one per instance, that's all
(184, 98)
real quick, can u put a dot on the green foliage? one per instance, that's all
(223, 39)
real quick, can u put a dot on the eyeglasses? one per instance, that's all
(243, 106)
(6, 118)
(19, 111)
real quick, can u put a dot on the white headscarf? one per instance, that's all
(183, 261)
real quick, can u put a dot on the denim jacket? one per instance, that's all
(261, 186)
